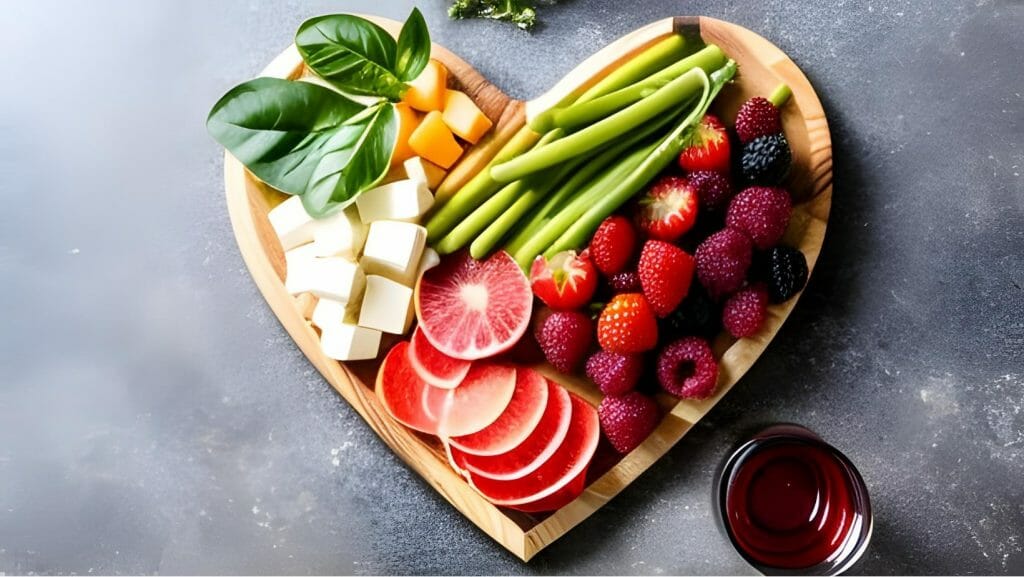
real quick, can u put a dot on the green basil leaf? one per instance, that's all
(354, 166)
(294, 135)
(413, 47)
(351, 53)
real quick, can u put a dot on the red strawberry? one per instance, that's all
(708, 147)
(627, 325)
(665, 273)
(628, 420)
(613, 244)
(566, 282)
(565, 337)
(669, 209)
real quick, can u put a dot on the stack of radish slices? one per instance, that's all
(521, 440)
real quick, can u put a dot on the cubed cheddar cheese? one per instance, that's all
(433, 140)
(331, 277)
(419, 168)
(408, 120)
(463, 117)
(393, 249)
(426, 92)
(387, 306)
(291, 222)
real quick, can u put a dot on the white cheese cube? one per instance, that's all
(393, 249)
(400, 200)
(292, 223)
(329, 313)
(417, 168)
(387, 306)
(341, 234)
(328, 278)
(348, 342)
(429, 260)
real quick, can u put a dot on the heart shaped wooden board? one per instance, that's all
(762, 66)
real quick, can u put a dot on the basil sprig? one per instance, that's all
(311, 141)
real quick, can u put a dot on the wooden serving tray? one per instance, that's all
(762, 67)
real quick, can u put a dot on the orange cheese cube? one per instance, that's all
(408, 120)
(432, 140)
(463, 117)
(426, 93)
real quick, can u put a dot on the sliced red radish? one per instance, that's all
(479, 400)
(531, 453)
(471, 309)
(433, 366)
(405, 396)
(571, 460)
(558, 499)
(517, 422)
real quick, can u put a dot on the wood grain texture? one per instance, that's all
(762, 68)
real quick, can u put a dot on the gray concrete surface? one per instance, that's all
(154, 417)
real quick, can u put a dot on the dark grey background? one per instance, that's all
(154, 416)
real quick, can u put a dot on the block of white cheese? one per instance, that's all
(326, 277)
(418, 168)
(400, 200)
(341, 234)
(387, 305)
(348, 342)
(428, 260)
(329, 313)
(292, 223)
(393, 249)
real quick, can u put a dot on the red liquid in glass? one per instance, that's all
(793, 503)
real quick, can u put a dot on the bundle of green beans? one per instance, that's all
(550, 187)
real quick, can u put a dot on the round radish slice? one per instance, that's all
(531, 453)
(517, 422)
(570, 461)
(471, 309)
(479, 400)
(558, 499)
(433, 366)
(405, 396)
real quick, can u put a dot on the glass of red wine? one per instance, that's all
(794, 505)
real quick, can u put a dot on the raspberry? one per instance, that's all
(722, 261)
(613, 373)
(697, 315)
(687, 369)
(713, 188)
(565, 337)
(628, 420)
(757, 117)
(624, 282)
(745, 311)
(665, 274)
(613, 244)
(766, 159)
(787, 273)
(762, 212)
(627, 325)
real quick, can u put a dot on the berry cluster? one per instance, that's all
(656, 284)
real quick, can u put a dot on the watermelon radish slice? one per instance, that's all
(542, 443)
(405, 396)
(471, 309)
(479, 400)
(433, 366)
(558, 499)
(517, 422)
(569, 462)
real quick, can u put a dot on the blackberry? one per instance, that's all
(713, 188)
(697, 315)
(766, 159)
(787, 273)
